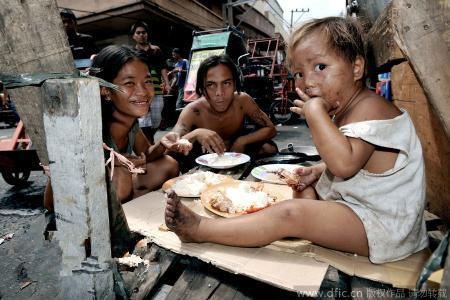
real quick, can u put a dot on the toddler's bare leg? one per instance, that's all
(325, 223)
(308, 193)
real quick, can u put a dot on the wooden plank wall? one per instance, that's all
(408, 94)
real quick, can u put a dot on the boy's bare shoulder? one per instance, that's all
(374, 107)
(197, 104)
(243, 99)
(196, 107)
(242, 96)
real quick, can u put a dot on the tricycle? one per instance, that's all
(267, 80)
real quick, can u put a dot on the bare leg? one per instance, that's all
(308, 193)
(268, 149)
(158, 172)
(123, 184)
(325, 223)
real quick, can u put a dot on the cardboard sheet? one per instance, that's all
(295, 265)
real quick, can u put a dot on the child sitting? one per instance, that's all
(127, 69)
(371, 185)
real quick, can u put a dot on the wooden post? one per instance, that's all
(32, 39)
(72, 120)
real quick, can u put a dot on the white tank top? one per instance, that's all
(391, 204)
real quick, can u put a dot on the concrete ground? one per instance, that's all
(29, 264)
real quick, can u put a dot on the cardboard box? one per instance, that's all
(294, 265)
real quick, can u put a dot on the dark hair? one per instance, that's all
(343, 35)
(176, 50)
(211, 62)
(68, 13)
(108, 63)
(138, 24)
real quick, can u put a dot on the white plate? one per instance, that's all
(265, 172)
(225, 161)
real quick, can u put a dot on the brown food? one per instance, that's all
(220, 202)
(290, 178)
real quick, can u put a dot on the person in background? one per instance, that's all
(158, 69)
(180, 70)
(169, 116)
(82, 45)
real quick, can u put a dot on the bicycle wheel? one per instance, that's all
(280, 112)
(17, 178)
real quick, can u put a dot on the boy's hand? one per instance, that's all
(210, 141)
(173, 142)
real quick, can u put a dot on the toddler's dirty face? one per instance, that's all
(137, 89)
(319, 71)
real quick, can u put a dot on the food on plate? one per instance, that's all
(223, 160)
(184, 142)
(194, 184)
(243, 198)
(289, 177)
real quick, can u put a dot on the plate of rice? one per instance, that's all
(225, 161)
(192, 185)
(235, 198)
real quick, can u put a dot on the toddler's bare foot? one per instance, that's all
(181, 219)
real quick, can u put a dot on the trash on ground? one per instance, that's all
(132, 260)
(6, 237)
(25, 284)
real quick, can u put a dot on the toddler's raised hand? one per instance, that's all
(306, 177)
(299, 103)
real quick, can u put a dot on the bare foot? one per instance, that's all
(180, 219)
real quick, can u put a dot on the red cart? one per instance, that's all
(17, 159)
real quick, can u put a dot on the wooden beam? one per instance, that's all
(421, 41)
(72, 120)
(382, 49)
(32, 39)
